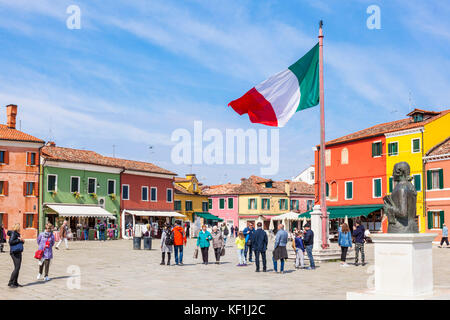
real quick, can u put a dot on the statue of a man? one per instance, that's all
(400, 206)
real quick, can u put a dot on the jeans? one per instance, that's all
(46, 264)
(178, 250)
(275, 265)
(249, 250)
(205, 254)
(359, 247)
(17, 260)
(241, 256)
(344, 253)
(86, 234)
(299, 258)
(65, 242)
(101, 235)
(444, 239)
(310, 256)
(264, 261)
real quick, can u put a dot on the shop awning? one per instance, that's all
(81, 211)
(142, 213)
(208, 216)
(287, 216)
(349, 211)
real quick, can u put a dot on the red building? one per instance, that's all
(19, 176)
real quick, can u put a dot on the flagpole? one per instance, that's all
(323, 202)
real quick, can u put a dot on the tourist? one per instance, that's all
(86, 231)
(179, 239)
(232, 231)
(240, 244)
(2, 237)
(101, 231)
(299, 250)
(218, 243)
(444, 236)
(226, 232)
(63, 232)
(16, 249)
(280, 252)
(358, 234)
(260, 241)
(204, 237)
(45, 242)
(308, 241)
(166, 243)
(248, 233)
(345, 242)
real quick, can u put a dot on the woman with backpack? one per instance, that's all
(204, 237)
(345, 242)
(218, 243)
(45, 242)
(166, 244)
(16, 249)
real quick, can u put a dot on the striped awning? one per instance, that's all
(83, 211)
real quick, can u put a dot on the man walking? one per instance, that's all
(444, 235)
(358, 233)
(248, 234)
(179, 239)
(63, 231)
(260, 241)
(308, 241)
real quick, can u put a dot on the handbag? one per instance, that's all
(196, 253)
(222, 253)
(17, 247)
(39, 254)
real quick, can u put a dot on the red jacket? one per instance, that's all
(179, 237)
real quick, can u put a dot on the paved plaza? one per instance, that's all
(112, 270)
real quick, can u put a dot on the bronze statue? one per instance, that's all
(400, 206)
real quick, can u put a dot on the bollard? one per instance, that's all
(137, 243)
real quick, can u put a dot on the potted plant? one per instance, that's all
(113, 196)
(54, 193)
(76, 194)
(94, 195)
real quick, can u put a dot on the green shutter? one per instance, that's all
(430, 220)
(390, 149)
(230, 203)
(249, 206)
(395, 148)
(286, 204)
(373, 149)
(268, 204)
(262, 203)
(327, 189)
(441, 216)
(377, 188)
(390, 184)
(210, 203)
(349, 190)
(429, 180)
(256, 203)
(416, 145)
(441, 179)
(279, 203)
(417, 182)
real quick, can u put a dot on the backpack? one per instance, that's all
(225, 232)
(169, 238)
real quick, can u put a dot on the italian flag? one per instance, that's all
(274, 101)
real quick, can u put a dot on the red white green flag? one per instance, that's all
(274, 101)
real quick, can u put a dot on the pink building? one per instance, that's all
(223, 202)
(437, 196)
(301, 196)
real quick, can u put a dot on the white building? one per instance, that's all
(306, 175)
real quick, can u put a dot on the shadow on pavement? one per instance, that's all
(43, 282)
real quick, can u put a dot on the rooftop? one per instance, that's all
(7, 133)
(440, 149)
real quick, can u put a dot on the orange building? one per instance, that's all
(437, 194)
(19, 176)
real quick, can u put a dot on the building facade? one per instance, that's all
(307, 175)
(223, 202)
(189, 198)
(19, 177)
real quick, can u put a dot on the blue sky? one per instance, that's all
(138, 70)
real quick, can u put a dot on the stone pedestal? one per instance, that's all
(403, 267)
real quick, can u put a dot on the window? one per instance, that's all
(312, 175)
(230, 203)
(283, 204)
(415, 145)
(153, 195)
(435, 179)
(4, 188)
(29, 220)
(205, 206)
(348, 190)
(195, 186)
(177, 205)
(435, 219)
(31, 159)
(344, 156)
(92, 185)
(144, 193)
(74, 184)
(377, 149)
(2, 157)
(309, 205)
(393, 149)
(265, 204)
(252, 204)
(29, 188)
(392, 184)
(294, 204)
(221, 203)
(269, 184)
(210, 203)
(52, 182)
(169, 195)
(417, 181)
(327, 189)
(111, 186)
(188, 205)
(125, 192)
(376, 189)
(418, 117)
(327, 158)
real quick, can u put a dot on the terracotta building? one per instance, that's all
(19, 176)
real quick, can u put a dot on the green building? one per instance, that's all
(80, 186)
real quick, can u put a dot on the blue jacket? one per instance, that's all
(248, 233)
(345, 239)
(299, 243)
(281, 238)
(359, 234)
(308, 238)
(260, 240)
(203, 239)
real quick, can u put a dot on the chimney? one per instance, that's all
(11, 113)
(287, 187)
(50, 144)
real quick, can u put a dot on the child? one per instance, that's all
(299, 250)
(240, 243)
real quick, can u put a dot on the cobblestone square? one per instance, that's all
(112, 270)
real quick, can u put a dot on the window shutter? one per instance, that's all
(35, 221)
(429, 181)
(441, 218)
(24, 189)
(389, 148)
(373, 149)
(5, 187)
(6, 157)
(327, 189)
(395, 148)
(268, 204)
(286, 204)
(390, 184)
(24, 221)
(28, 158)
(256, 203)
(279, 203)
(262, 203)
(430, 220)
(249, 205)
(441, 179)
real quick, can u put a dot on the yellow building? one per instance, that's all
(413, 139)
(261, 199)
(188, 196)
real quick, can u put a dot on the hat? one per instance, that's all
(308, 225)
